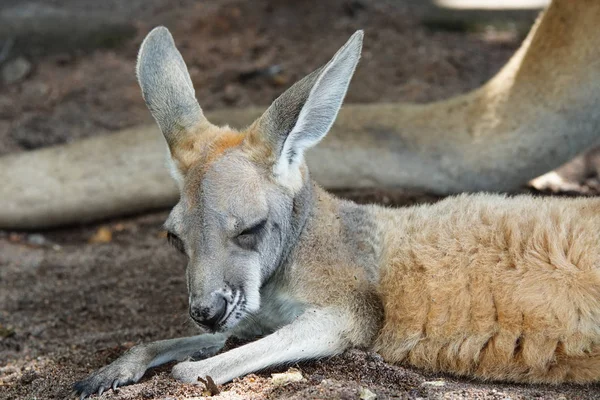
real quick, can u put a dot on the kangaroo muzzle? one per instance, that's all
(209, 313)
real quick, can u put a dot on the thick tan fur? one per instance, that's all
(492, 287)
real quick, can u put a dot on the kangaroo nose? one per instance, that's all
(209, 316)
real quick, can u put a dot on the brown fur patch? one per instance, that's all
(196, 152)
(205, 147)
(224, 142)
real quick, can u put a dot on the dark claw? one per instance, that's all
(101, 390)
(82, 389)
(79, 388)
(115, 384)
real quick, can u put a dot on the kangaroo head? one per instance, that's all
(238, 213)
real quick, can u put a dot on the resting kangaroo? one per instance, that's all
(484, 286)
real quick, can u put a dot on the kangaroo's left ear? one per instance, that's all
(303, 115)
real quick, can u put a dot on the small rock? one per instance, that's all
(16, 70)
(434, 383)
(36, 239)
(366, 394)
(291, 375)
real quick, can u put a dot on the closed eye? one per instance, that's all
(248, 238)
(176, 242)
(254, 229)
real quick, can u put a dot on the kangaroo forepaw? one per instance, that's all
(119, 373)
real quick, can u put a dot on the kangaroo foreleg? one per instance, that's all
(132, 365)
(316, 333)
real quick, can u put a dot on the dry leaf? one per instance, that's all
(102, 235)
(210, 385)
(280, 80)
(291, 375)
(439, 383)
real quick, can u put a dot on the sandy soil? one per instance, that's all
(72, 300)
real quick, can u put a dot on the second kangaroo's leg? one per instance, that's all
(132, 365)
(316, 333)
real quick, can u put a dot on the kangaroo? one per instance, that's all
(484, 286)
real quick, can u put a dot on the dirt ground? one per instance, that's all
(72, 300)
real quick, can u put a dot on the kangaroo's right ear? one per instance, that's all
(168, 90)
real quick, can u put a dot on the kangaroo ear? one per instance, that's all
(303, 115)
(167, 88)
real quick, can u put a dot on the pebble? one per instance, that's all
(36, 239)
(366, 394)
(15, 70)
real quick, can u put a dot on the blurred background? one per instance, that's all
(67, 66)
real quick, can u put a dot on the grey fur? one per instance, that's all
(166, 85)
(282, 117)
(362, 236)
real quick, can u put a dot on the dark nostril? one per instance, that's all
(220, 308)
(209, 316)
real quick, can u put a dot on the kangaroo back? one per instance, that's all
(497, 288)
